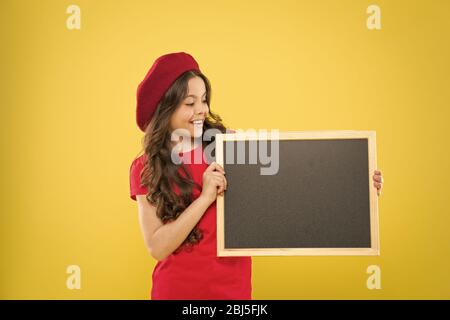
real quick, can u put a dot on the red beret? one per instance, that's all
(163, 73)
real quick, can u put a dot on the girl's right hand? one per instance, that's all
(214, 182)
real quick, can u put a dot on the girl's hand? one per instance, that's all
(214, 182)
(378, 181)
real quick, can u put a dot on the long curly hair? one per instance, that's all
(159, 173)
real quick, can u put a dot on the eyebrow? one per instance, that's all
(194, 96)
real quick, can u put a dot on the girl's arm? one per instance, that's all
(163, 239)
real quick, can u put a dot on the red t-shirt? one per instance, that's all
(198, 273)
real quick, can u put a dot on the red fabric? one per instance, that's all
(164, 71)
(198, 274)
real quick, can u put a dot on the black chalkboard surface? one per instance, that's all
(297, 193)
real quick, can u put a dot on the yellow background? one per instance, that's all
(68, 132)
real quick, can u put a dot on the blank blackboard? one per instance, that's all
(318, 200)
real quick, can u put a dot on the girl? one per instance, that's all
(177, 203)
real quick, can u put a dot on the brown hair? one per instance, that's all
(159, 171)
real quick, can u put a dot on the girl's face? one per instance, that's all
(193, 107)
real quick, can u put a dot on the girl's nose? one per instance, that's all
(201, 110)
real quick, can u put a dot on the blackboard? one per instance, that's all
(315, 197)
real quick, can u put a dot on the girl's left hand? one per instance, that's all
(378, 181)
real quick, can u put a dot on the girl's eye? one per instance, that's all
(191, 104)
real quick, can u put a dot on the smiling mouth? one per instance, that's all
(197, 122)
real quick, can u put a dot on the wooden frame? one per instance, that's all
(304, 135)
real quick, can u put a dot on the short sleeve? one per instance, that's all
(135, 178)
